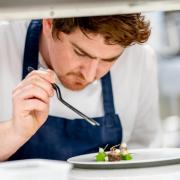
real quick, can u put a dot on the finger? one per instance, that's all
(37, 81)
(35, 104)
(49, 75)
(31, 91)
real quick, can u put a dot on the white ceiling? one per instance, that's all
(23, 9)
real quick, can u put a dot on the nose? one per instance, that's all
(90, 70)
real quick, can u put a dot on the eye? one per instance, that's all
(79, 53)
(110, 60)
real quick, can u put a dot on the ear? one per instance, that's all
(47, 27)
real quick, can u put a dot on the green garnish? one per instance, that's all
(101, 155)
(126, 157)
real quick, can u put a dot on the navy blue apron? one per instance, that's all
(61, 138)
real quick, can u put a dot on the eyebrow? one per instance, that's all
(93, 57)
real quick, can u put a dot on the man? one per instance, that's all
(98, 71)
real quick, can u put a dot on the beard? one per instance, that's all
(74, 81)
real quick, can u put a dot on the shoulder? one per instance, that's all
(137, 55)
(12, 38)
(13, 31)
(142, 56)
(136, 62)
(141, 51)
(12, 26)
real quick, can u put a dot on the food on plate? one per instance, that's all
(117, 153)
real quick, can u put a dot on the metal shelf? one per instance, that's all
(31, 9)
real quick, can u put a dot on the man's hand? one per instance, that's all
(31, 102)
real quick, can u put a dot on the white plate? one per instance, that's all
(141, 158)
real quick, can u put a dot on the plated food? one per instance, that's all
(140, 158)
(117, 153)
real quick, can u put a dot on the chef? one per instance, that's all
(102, 67)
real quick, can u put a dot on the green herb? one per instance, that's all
(126, 157)
(101, 155)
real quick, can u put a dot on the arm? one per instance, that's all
(147, 128)
(10, 141)
(30, 110)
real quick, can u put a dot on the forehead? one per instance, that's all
(92, 42)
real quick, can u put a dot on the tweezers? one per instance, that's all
(59, 96)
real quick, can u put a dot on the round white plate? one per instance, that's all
(141, 158)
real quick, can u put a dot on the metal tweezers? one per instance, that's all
(59, 96)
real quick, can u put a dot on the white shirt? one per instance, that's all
(134, 83)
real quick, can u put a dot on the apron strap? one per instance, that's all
(108, 100)
(31, 46)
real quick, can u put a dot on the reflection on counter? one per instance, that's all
(155, 173)
(34, 169)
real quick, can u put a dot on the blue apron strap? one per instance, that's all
(31, 46)
(108, 100)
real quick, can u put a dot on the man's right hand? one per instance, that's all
(31, 102)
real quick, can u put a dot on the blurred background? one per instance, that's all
(165, 40)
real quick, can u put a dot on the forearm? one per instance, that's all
(30, 100)
(10, 140)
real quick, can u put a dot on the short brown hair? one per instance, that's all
(116, 29)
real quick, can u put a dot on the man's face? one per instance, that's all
(79, 60)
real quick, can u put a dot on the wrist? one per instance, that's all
(17, 133)
(10, 140)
